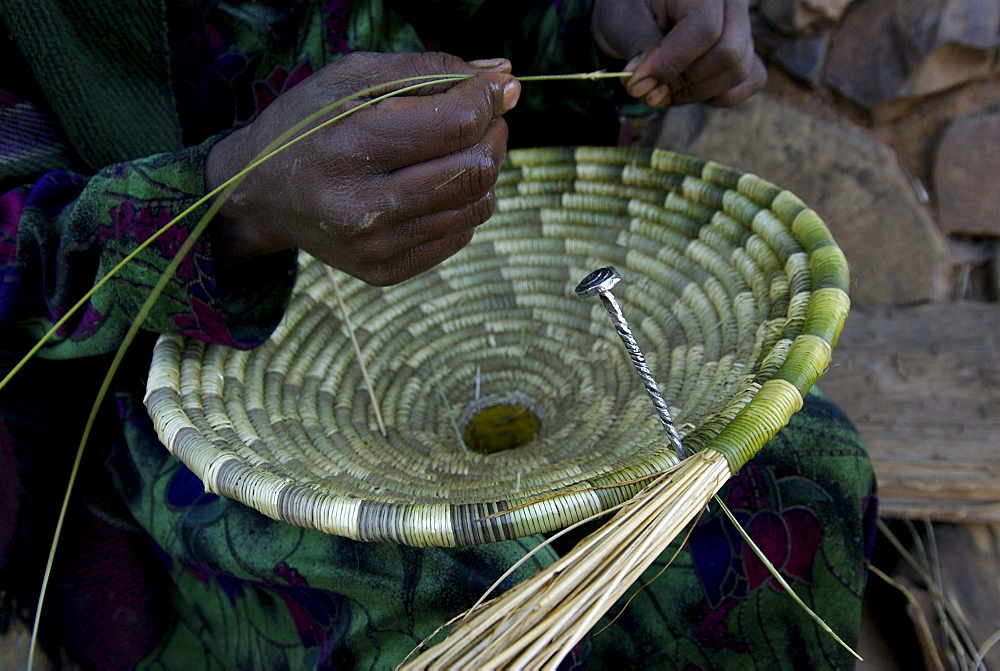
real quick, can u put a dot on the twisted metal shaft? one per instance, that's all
(599, 283)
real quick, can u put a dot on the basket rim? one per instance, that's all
(449, 524)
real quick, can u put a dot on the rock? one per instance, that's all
(966, 174)
(852, 181)
(801, 57)
(890, 50)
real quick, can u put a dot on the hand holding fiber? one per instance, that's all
(682, 51)
(384, 193)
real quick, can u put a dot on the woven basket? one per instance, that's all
(734, 289)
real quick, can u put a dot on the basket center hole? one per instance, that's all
(498, 424)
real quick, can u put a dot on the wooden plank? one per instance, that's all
(922, 384)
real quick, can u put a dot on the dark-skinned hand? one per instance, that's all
(382, 194)
(682, 51)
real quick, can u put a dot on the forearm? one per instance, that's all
(72, 230)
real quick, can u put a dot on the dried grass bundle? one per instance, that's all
(537, 623)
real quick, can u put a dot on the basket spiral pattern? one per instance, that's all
(735, 290)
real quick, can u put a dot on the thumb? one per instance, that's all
(625, 35)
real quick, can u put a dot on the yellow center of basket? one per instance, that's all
(499, 427)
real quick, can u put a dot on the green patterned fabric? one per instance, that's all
(254, 592)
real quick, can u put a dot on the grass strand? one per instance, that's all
(357, 349)
(598, 74)
(225, 189)
(282, 143)
(423, 81)
(781, 581)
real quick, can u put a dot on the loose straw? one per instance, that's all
(357, 350)
(538, 622)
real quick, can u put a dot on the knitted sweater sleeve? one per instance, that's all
(62, 230)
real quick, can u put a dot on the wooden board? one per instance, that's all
(922, 384)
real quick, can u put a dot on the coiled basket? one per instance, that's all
(510, 406)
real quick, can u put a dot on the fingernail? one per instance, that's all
(657, 97)
(489, 64)
(643, 87)
(633, 64)
(511, 93)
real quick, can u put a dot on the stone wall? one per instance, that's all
(884, 116)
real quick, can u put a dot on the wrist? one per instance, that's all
(238, 230)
